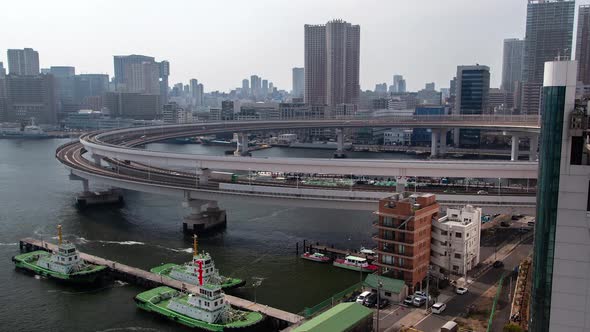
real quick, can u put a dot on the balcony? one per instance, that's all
(405, 267)
(394, 253)
(437, 236)
(406, 242)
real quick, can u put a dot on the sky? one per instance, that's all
(221, 42)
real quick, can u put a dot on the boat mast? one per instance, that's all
(59, 237)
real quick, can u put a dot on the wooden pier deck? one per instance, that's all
(335, 252)
(152, 280)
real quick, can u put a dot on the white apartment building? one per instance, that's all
(455, 241)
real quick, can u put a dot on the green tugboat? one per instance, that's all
(189, 272)
(205, 309)
(64, 264)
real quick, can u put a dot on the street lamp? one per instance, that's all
(379, 286)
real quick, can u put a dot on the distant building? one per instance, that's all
(472, 92)
(90, 85)
(332, 59)
(499, 99)
(298, 82)
(397, 136)
(172, 113)
(381, 88)
(428, 97)
(65, 87)
(245, 88)
(23, 62)
(423, 136)
(301, 111)
(583, 44)
(403, 238)
(512, 60)
(399, 84)
(132, 105)
(30, 97)
(141, 74)
(93, 120)
(455, 241)
(429, 86)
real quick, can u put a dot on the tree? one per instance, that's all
(511, 327)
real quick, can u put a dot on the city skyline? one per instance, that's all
(231, 46)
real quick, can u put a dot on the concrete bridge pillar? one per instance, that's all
(400, 185)
(514, 151)
(339, 144)
(203, 175)
(443, 142)
(97, 159)
(434, 143)
(456, 137)
(534, 143)
(202, 220)
(242, 146)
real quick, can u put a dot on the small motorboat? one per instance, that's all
(316, 257)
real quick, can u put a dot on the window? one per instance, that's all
(387, 294)
(69, 259)
(444, 233)
(455, 268)
(467, 234)
(577, 150)
(458, 235)
(457, 255)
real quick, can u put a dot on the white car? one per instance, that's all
(361, 298)
(438, 308)
(461, 290)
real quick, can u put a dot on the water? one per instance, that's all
(36, 195)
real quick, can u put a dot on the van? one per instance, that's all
(438, 307)
(419, 301)
(361, 298)
(450, 326)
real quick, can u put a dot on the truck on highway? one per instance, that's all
(224, 176)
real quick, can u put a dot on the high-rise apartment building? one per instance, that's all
(399, 84)
(255, 85)
(141, 74)
(298, 82)
(512, 60)
(583, 44)
(549, 33)
(23, 62)
(559, 296)
(64, 82)
(472, 89)
(404, 235)
(332, 60)
(245, 87)
(264, 90)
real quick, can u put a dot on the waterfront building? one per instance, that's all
(562, 238)
(423, 136)
(549, 34)
(90, 86)
(397, 136)
(332, 60)
(499, 99)
(455, 241)
(298, 82)
(512, 60)
(64, 81)
(23, 62)
(30, 97)
(472, 89)
(173, 113)
(141, 74)
(93, 120)
(132, 105)
(404, 233)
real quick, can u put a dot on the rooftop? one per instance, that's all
(341, 317)
(388, 284)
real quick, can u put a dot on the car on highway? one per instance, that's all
(461, 290)
(438, 308)
(498, 264)
(361, 298)
(482, 192)
(409, 300)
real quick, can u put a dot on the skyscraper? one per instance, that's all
(583, 44)
(264, 88)
(562, 241)
(30, 96)
(472, 88)
(549, 33)
(399, 84)
(298, 82)
(64, 82)
(23, 62)
(512, 59)
(141, 74)
(255, 85)
(332, 54)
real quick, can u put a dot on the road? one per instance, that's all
(458, 304)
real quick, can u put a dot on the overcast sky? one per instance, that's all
(223, 41)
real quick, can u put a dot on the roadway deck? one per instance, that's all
(152, 278)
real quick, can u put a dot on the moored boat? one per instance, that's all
(355, 263)
(189, 272)
(64, 264)
(316, 257)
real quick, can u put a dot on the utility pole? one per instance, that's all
(427, 288)
(379, 286)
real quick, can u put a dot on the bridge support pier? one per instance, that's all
(434, 143)
(201, 220)
(533, 145)
(97, 159)
(203, 175)
(339, 144)
(514, 151)
(242, 146)
(443, 142)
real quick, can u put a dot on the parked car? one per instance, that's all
(422, 295)
(352, 297)
(371, 300)
(409, 300)
(461, 290)
(419, 301)
(383, 303)
(498, 264)
(361, 298)
(438, 308)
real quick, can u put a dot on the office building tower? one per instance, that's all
(90, 85)
(132, 105)
(194, 91)
(30, 96)
(23, 62)
(512, 60)
(298, 82)
(397, 79)
(429, 86)
(549, 33)
(64, 83)
(404, 235)
(381, 88)
(583, 44)
(472, 88)
(255, 85)
(562, 237)
(2, 70)
(164, 85)
(332, 59)
(264, 90)
(245, 87)
(141, 74)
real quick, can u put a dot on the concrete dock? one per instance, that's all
(148, 279)
(333, 252)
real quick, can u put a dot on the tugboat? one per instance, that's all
(356, 264)
(189, 272)
(64, 264)
(205, 309)
(316, 257)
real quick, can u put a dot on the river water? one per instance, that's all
(258, 244)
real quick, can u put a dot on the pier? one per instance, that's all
(331, 251)
(282, 319)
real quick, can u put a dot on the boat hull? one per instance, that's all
(143, 302)
(354, 268)
(317, 260)
(230, 283)
(89, 276)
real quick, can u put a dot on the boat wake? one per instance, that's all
(131, 328)
(9, 244)
(123, 243)
(274, 214)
